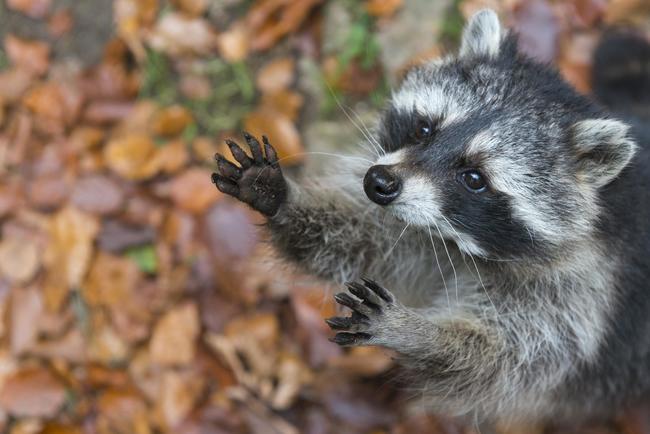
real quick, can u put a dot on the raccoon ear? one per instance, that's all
(603, 149)
(482, 35)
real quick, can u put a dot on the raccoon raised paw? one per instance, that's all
(257, 181)
(375, 314)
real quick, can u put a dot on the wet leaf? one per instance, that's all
(174, 337)
(32, 392)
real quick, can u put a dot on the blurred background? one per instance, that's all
(135, 298)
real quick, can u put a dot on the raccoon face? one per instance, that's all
(494, 151)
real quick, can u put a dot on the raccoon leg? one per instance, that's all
(319, 226)
(455, 355)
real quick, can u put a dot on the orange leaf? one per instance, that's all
(193, 190)
(276, 75)
(171, 121)
(174, 337)
(281, 132)
(382, 8)
(131, 156)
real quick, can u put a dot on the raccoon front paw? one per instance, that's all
(257, 181)
(374, 312)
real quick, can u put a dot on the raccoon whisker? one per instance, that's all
(329, 154)
(368, 132)
(442, 275)
(387, 255)
(478, 273)
(343, 109)
(451, 262)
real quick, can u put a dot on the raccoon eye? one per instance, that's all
(473, 180)
(423, 129)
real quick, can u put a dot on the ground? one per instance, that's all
(137, 299)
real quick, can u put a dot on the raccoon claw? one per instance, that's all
(370, 305)
(257, 181)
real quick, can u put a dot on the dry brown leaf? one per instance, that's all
(132, 17)
(276, 75)
(32, 392)
(178, 393)
(234, 43)
(122, 412)
(30, 56)
(193, 190)
(627, 12)
(20, 258)
(174, 337)
(68, 253)
(191, 7)
(47, 191)
(106, 345)
(382, 8)
(286, 102)
(13, 84)
(178, 34)
(131, 156)
(26, 308)
(271, 20)
(172, 157)
(71, 347)
(97, 194)
(171, 121)
(55, 104)
(363, 361)
(36, 9)
(282, 133)
(111, 282)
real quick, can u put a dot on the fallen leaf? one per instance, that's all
(193, 190)
(191, 7)
(234, 44)
(276, 75)
(270, 20)
(174, 336)
(132, 18)
(178, 393)
(26, 308)
(382, 8)
(172, 157)
(111, 282)
(32, 392)
(131, 156)
(30, 56)
(20, 259)
(13, 84)
(281, 132)
(286, 102)
(177, 34)
(122, 411)
(48, 191)
(107, 346)
(627, 12)
(56, 104)
(36, 9)
(97, 194)
(116, 236)
(67, 256)
(171, 121)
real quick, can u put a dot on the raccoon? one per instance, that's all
(502, 231)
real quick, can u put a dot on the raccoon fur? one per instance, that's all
(502, 230)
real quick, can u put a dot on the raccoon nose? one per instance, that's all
(381, 185)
